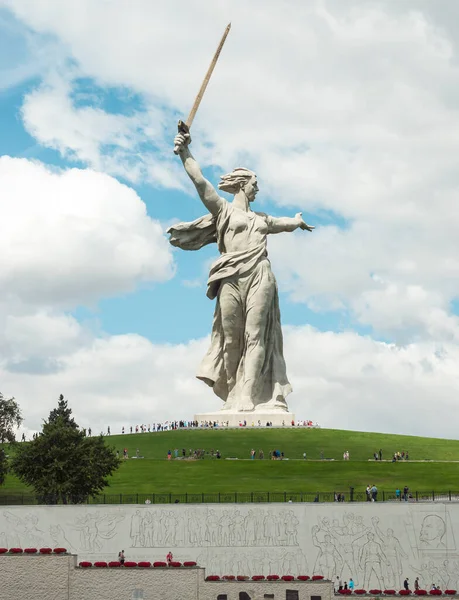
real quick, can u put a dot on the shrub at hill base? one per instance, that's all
(62, 464)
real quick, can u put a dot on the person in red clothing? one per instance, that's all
(169, 558)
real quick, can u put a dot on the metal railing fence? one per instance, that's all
(347, 496)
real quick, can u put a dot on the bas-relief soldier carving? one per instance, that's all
(394, 553)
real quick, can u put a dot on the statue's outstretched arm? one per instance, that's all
(205, 189)
(280, 224)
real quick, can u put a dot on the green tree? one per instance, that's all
(3, 466)
(63, 411)
(10, 417)
(62, 464)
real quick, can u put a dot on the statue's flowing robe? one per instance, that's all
(249, 273)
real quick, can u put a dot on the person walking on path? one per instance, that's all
(121, 557)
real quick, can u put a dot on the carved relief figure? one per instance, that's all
(394, 553)
(59, 539)
(344, 540)
(371, 560)
(325, 562)
(23, 530)
(433, 531)
(94, 528)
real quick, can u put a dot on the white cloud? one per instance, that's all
(343, 107)
(105, 142)
(351, 110)
(342, 380)
(72, 237)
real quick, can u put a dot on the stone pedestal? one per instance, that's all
(234, 419)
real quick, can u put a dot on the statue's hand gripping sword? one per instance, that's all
(185, 127)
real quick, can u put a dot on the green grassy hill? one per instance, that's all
(154, 473)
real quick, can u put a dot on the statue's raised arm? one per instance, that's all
(205, 189)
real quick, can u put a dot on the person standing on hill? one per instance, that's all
(380, 454)
(374, 493)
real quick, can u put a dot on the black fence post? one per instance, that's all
(137, 499)
(450, 495)
(170, 497)
(433, 496)
(285, 496)
(186, 497)
(219, 499)
(416, 496)
(384, 496)
(121, 498)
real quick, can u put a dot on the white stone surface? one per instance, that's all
(234, 418)
(377, 544)
(58, 578)
(245, 364)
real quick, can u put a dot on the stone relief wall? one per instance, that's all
(378, 545)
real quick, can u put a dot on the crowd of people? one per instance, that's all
(182, 424)
(395, 457)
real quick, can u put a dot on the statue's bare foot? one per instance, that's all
(277, 405)
(245, 404)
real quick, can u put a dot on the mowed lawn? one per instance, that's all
(155, 474)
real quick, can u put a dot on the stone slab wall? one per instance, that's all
(35, 577)
(58, 578)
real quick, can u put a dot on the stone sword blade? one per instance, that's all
(185, 127)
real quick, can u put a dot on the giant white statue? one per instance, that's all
(245, 365)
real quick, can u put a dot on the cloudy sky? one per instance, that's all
(347, 110)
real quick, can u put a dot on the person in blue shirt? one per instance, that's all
(351, 584)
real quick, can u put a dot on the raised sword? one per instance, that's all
(184, 127)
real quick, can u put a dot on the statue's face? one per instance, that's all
(251, 189)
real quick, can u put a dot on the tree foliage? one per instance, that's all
(3, 466)
(62, 464)
(10, 418)
(63, 411)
